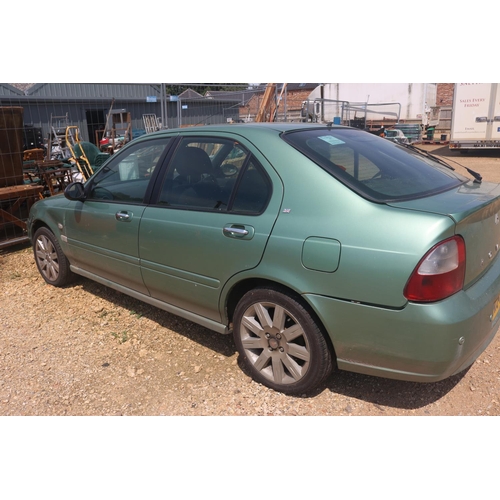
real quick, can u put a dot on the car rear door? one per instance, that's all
(205, 227)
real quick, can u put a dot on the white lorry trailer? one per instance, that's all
(372, 105)
(475, 120)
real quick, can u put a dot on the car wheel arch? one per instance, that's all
(241, 288)
(36, 225)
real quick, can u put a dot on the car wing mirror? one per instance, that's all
(228, 170)
(75, 191)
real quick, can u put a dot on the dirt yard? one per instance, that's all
(88, 350)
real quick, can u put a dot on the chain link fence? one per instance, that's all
(53, 133)
(97, 109)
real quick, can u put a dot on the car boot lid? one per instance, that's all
(475, 208)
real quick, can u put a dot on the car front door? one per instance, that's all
(102, 231)
(214, 212)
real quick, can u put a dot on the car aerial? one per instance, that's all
(316, 247)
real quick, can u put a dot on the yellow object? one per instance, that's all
(80, 158)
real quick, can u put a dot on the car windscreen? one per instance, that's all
(376, 168)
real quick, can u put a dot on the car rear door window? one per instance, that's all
(214, 174)
(253, 191)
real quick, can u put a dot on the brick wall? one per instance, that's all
(444, 94)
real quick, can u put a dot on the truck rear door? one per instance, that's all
(470, 111)
(495, 117)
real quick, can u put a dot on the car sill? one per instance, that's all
(200, 320)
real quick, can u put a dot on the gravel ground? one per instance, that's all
(88, 350)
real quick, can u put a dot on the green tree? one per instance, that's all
(202, 88)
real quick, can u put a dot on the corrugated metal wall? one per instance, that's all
(38, 113)
(87, 105)
(94, 90)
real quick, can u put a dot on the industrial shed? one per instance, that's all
(87, 105)
(35, 120)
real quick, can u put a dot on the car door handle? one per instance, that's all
(235, 231)
(123, 216)
(238, 231)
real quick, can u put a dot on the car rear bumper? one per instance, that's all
(421, 342)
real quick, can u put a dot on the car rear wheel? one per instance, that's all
(50, 259)
(280, 342)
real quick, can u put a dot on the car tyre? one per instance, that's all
(279, 341)
(50, 259)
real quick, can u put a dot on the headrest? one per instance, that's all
(193, 162)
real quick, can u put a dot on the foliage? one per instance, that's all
(202, 88)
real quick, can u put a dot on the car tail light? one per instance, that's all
(439, 274)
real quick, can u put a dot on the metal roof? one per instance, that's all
(8, 90)
(82, 91)
(242, 96)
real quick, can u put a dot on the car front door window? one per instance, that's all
(126, 178)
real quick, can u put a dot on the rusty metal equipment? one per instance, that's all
(16, 198)
(15, 203)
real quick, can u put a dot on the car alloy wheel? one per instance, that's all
(280, 342)
(50, 259)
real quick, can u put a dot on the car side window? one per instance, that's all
(126, 177)
(254, 190)
(214, 174)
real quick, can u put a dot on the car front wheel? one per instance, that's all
(50, 259)
(280, 342)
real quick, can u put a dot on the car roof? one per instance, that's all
(241, 127)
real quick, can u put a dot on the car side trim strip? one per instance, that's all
(195, 318)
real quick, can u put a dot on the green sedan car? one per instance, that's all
(315, 246)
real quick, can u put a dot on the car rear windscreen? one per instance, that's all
(376, 168)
